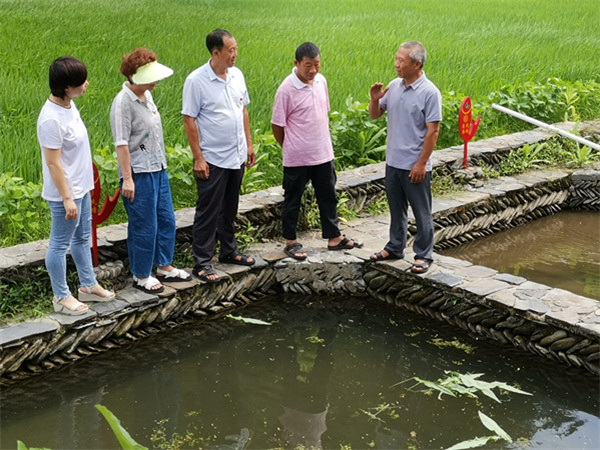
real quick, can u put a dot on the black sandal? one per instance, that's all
(232, 259)
(379, 256)
(344, 244)
(206, 270)
(292, 251)
(421, 267)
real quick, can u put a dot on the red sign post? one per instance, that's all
(98, 218)
(467, 127)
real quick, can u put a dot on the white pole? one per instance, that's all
(579, 139)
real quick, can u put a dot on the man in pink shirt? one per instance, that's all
(300, 124)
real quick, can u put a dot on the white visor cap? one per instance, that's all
(151, 72)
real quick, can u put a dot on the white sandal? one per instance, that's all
(174, 276)
(72, 311)
(86, 294)
(146, 285)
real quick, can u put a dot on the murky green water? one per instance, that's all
(304, 380)
(561, 251)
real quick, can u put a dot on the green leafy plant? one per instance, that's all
(378, 206)
(528, 157)
(22, 210)
(106, 163)
(357, 140)
(22, 446)
(122, 435)
(253, 178)
(125, 440)
(454, 384)
(180, 164)
(491, 425)
(457, 384)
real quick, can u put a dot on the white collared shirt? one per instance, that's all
(218, 108)
(137, 124)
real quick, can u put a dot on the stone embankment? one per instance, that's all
(511, 310)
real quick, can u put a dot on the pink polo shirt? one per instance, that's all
(302, 109)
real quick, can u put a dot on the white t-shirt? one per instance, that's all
(62, 128)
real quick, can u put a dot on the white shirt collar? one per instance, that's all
(132, 95)
(298, 83)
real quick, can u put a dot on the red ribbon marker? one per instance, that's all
(467, 127)
(98, 218)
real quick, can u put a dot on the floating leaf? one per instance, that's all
(490, 394)
(473, 443)
(247, 320)
(510, 388)
(491, 425)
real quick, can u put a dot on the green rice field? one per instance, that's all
(475, 47)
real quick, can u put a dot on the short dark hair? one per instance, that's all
(307, 49)
(65, 72)
(214, 40)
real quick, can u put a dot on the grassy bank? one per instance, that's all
(475, 48)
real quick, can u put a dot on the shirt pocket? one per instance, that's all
(238, 94)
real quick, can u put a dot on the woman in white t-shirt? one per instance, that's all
(68, 179)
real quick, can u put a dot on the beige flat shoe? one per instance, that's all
(86, 295)
(71, 311)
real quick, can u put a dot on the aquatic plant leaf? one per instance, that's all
(248, 320)
(489, 393)
(438, 387)
(510, 388)
(463, 390)
(125, 439)
(371, 415)
(473, 443)
(491, 425)
(22, 446)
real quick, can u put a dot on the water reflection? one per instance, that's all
(302, 381)
(560, 251)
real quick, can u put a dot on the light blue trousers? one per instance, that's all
(76, 234)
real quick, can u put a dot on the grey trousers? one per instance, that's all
(400, 193)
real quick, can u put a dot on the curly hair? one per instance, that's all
(131, 62)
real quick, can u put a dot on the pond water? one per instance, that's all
(561, 251)
(304, 381)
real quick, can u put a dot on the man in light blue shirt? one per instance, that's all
(218, 130)
(414, 107)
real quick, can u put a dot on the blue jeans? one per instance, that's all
(151, 230)
(75, 233)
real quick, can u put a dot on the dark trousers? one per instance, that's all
(323, 179)
(216, 209)
(400, 193)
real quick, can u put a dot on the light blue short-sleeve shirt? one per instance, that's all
(409, 109)
(218, 108)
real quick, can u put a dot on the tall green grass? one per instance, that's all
(474, 48)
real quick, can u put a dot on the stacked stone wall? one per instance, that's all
(548, 322)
